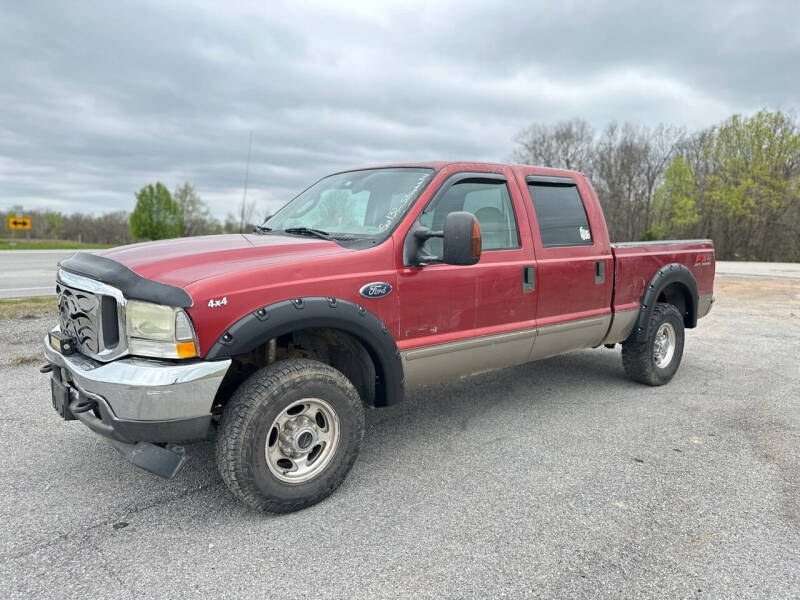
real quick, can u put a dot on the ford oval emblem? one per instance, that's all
(376, 289)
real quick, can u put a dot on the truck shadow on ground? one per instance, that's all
(524, 389)
(536, 385)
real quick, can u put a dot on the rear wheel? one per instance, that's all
(656, 360)
(289, 435)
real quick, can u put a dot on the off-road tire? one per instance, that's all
(637, 357)
(248, 416)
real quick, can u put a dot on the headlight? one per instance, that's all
(159, 331)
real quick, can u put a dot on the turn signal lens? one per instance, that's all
(186, 349)
(158, 349)
(475, 242)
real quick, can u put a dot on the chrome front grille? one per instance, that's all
(79, 317)
(92, 313)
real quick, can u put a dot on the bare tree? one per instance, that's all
(112, 228)
(245, 223)
(565, 145)
(629, 164)
(662, 143)
(197, 219)
(247, 213)
(248, 217)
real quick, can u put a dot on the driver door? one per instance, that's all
(460, 320)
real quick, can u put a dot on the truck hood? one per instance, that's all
(182, 261)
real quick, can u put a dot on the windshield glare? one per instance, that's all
(360, 203)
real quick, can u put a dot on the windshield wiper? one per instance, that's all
(310, 231)
(262, 229)
(318, 233)
(339, 237)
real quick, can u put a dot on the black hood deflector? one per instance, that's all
(132, 285)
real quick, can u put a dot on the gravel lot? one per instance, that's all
(554, 479)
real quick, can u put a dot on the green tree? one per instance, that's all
(755, 184)
(675, 205)
(747, 186)
(231, 224)
(49, 225)
(156, 216)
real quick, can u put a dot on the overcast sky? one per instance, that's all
(99, 98)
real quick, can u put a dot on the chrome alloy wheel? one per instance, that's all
(664, 345)
(302, 440)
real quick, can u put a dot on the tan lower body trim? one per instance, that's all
(621, 326)
(434, 364)
(572, 335)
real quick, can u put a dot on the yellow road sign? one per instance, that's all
(19, 223)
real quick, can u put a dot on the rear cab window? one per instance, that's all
(560, 212)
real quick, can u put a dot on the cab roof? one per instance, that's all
(438, 165)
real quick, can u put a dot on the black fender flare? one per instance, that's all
(284, 317)
(664, 277)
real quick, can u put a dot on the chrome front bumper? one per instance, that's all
(141, 389)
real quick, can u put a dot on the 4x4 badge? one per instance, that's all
(376, 289)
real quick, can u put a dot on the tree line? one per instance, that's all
(736, 182)
(158, 214)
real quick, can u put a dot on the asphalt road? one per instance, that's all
(27, 273)
(555, 479)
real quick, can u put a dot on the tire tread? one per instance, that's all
(233, 435)
(637, 360)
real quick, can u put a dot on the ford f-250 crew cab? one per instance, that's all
(369, 283)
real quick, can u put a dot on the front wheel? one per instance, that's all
(289, 435)
(655, 361)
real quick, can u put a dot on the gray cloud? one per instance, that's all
(99, 98)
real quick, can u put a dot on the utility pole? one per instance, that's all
(246, 173)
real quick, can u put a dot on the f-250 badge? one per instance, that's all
(377, 289)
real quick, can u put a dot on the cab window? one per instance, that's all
(561, 214)
(491, 204)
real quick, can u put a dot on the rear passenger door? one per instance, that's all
(574, 265)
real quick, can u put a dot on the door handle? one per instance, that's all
(599, 271)
(528, 279)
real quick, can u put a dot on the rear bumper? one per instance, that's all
(705, 302)
(135, 399)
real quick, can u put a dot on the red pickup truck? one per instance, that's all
(369, 283)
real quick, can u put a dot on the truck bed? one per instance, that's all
(636, 262)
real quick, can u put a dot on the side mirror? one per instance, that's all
(461, 242)
(462, 239)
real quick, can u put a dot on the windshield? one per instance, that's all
(357, 203)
